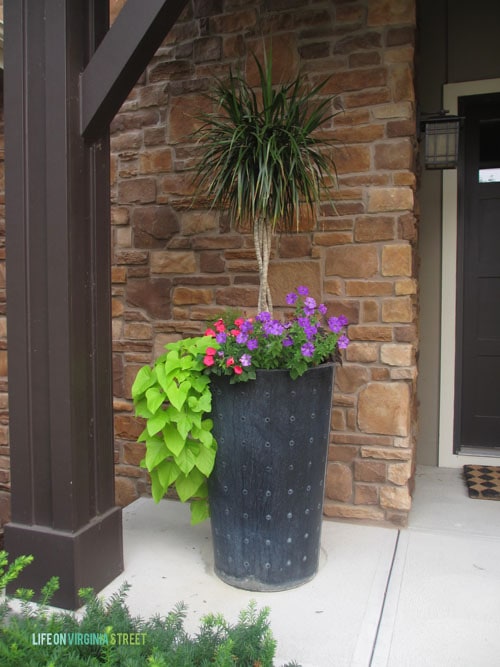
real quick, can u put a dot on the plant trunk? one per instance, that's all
(262, 241)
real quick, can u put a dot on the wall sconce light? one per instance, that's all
(441, 140)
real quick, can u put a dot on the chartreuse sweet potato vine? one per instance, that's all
(174, 398)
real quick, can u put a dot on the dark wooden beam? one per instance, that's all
(121, 58)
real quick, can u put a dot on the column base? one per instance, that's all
(90, 557)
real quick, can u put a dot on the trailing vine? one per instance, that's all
(174, 398)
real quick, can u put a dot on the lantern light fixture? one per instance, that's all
(442, 132)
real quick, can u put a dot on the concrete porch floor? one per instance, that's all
(427, 595)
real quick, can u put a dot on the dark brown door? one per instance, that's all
(477, 414)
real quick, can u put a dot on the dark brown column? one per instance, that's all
(66, 75)
(59, 322)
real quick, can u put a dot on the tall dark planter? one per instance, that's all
(266, 490)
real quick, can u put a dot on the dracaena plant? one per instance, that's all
(263, 158)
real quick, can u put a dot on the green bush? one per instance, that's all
(107, 634)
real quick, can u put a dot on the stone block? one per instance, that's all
(117, 307)
(295, 245)
(406, 334)
(333, 238)
(128, 427)
(212, 262)
(399, 473)
(394, 110)
(369, 311)
(241, 297)
(352, 159)
(342, 511)
(342, 453)
(350, 80)
(198, 222)
(385, 453)
(388, 12)
(339, 482)
(390, 199)
(397, 498)
(366, 494)
(154, 225)
(285, 276)
(133, 453)
(173, 261)
(190, 295)
(401, 78)
(397, 154)
(206, 49)
(398, 309)
(338, 419)
(137, 191)
(175, 185)
(397, 260)
(368, 288)
(348, 379)
(364, 353)
(155, 161)
(352, 261)
(397, 354)
(370, 332)
(369, 228)
(370, 471)
(359, 42)
(234, 21)
(384, 407)
(366, 98)
(137, 331)
(152, 295)
(406, 286)
(125, 491)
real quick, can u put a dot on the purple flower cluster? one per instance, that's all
(301, 341)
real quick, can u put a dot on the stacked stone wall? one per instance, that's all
(177, 264)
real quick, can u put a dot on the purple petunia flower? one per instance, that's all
(343, 320)
(264, 316)
(302, 290)
(322, 308)
(291, 299)
(335, 324)
(252, 344)
(246, 360)
(221, 337)
(246, 327)
(343, 342)
(307, 350)
(242, 338)
(273, 328)
(287, 342)
(309, 305)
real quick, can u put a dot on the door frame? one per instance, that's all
(446, 457)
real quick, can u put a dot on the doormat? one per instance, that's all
(483, 482)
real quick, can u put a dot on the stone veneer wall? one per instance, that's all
(176, 265)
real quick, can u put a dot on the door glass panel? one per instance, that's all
(489, 151)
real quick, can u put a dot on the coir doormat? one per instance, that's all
(483, 481)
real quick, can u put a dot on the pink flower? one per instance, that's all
(208, 360)
(238, 370)
(209, 332)
(230, 361)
